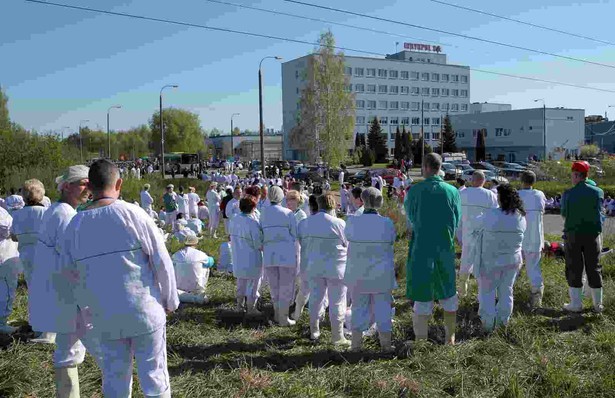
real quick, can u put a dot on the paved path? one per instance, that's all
(554, 224)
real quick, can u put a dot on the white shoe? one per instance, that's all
(337, 334)
(597, 299)
(283, 319)
(315, 330)
(575, 305)
(67, 382)
(44, 338)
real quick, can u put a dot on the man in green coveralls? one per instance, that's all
(433, 208)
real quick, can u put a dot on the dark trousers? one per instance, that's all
(582, 252)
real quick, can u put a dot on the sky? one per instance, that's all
(60, 67)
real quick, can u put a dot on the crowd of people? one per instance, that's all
(100, 276)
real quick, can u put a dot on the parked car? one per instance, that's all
(484, 166)
(463, 167)
(365, 176)
(307, 173)
(489, 175)
(450, 171)
(358, 178)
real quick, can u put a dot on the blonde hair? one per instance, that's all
(326, 202)
(33, 192)
(295, 195)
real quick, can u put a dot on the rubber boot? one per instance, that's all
(357, 341)
(420, 325)
(166, 394)
(67, 382)
(587, 291)
(44, 338)
(450, 323)
(464, 280)
(597, 299)
(6, 329)
(575, 305)
(283, 316)
(536, 297)
(337, 334)
(315, 329)
(385, 341)
(299, 305)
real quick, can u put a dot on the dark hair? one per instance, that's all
(229, 191)
(461, 181)
(317, 190)
(296, 186)
(102, 175)
(528, 177)
(180, 216)
(247, 204)
(313, 204)
(181, 189)
(356, 192)
(252, 190)
(509, 199)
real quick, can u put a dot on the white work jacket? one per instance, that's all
(279, 234)
(189, 272)
(126, 280)
(26, 223)
(246, 247)
(474, 202)
(182, 204)
(232, 208)
(146, 201)
(369, 267)
(193, 200)
(213, 201)
(203, 213)
(225, 260)
(326, 246)
(534, 203)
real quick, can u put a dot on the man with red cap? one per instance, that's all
(581, 208)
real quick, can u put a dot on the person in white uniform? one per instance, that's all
(225, 259)
(498, 257)
(213, 205)
(279, 227)
(246, 248)
(14, 203)
(192, 271)
(370, 272)
(534, 202)
(170, 205)
(344, 198)
(326, 263)
(263, 200)
(357, 201)
(232, 207)
(202, 212)
(146, 200)
(475, 200)
(9, 271)
(193, 202)
(294, 202)
(48, 310)
(127, 283)
(183, 203)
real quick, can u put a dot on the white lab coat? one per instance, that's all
(9, 266)
(232, 208)
(195, 225)
(146, 201)
(127, 279)
(279, 234)
(262, 204)
(324, 237)
(193, 200)
(189, 272)
(203, 213)
(359, 211)
(534, 203)
(369, 267)
(225, 260)
(246, 247)
(49, 310)
(474, 202)
(26, 223)
(341, 177)
(182, 204)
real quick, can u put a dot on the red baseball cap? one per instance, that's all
(581, 166)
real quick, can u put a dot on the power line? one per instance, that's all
(356, 14)
(193, 25)
(523, 22)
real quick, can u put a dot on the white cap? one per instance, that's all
(72, 174)
(15, 202)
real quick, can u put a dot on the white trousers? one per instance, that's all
(214, 219)
(368, 305)
(281, 284)
(71, 347)
(466, 266)
(249, 288)
(498, 281)
(150, 352)
(9, 275)
(532, 268)
(336, 292)
(426, 307)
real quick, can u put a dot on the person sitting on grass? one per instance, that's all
(225, 261)
(191, 271)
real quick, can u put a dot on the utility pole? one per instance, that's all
(422, 140)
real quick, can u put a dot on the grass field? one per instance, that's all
(214, 352)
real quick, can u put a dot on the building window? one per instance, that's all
(415, 91)
(426, 121)
(435, 77)
(464, 93)
(455, 93)
(507, 132)
(416, 121)
(394, 105)
(464, 107)
(435, 106)
(296, 74)
(382, 89)
(405, 74)
(464, 79)
(569, 117)
(358, 72)
(445, 107)
(415, 106)
(394, 90)
(298, 106)
(371, 72)
(426, 136)
(444, 78)
(435, 120)
(436, 136)
(435, 92)
(426, 106)
(382, 105)
(360, 104)
(348, 70)
(359, 88)
(371, 88)
(393, 74)
(444, 92)
(414, 75)
(455, 78)
(405, 105)
(382, 73)
(405, 90)
(425, 91)
(297, 90)
(394, 120)
(371, 104)
(454, 107)
(360, 120)
(415, 136)
(384, 120)
(405, 121)
(425, 77)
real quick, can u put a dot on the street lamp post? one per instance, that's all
(232, 143)
(544, 125)
(81, 138)
(162, 127)
(260, 110)
(108, 132)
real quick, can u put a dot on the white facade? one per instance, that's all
(477, 107)
(516, 135)
(393, 89)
